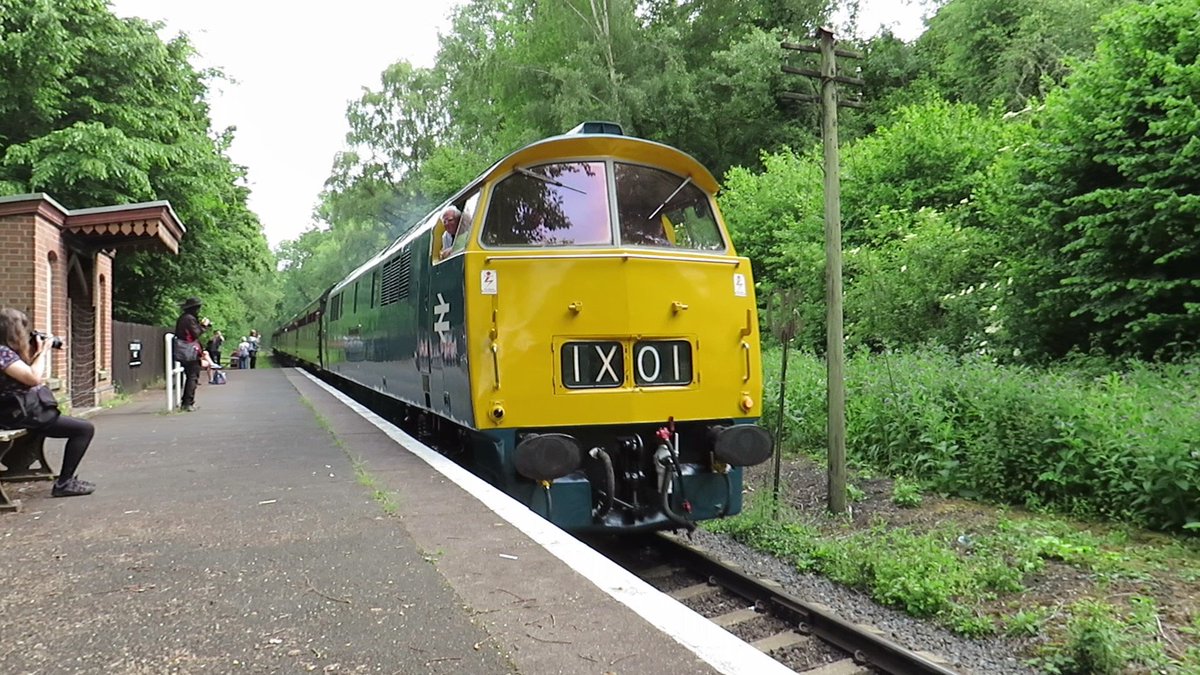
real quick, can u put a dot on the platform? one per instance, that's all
(283, 528)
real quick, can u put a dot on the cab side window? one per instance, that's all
(438, 238)
(466, 224)
(452, 227)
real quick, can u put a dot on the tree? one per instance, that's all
(983, 51)
(113, 115)
(932, 154)
(1105, 230)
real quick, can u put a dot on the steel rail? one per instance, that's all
(866, 647)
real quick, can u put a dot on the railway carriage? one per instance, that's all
(589, 342)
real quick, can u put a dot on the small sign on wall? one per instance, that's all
(135, 354)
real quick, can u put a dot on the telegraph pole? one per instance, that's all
(834, 335)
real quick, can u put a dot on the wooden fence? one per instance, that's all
(138, 355)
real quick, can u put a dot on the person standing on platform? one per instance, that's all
(22, 361)
(253, 341)
(188, 329)
(243, 350)
(214, 347)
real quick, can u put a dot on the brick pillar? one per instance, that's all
(50, 284)
(17, 286)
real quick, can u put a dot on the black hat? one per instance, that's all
(190, 303)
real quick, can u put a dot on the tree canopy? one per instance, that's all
(96, 111)
(1020, 183)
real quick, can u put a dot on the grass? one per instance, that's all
(362, 475)
(1061, 467)
(118, 399)
(1115, 444)
(1084, 598)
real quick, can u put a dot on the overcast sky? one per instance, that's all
(296, 65)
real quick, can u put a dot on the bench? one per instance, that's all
(20, 450)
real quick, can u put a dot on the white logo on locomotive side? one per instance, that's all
(440, 325)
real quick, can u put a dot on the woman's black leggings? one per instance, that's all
(79, 436)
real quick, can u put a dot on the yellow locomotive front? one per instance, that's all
(612, 336)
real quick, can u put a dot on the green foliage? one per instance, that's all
(1118, 447)
(1104, 234)
(1027, 622)
(983, 51)
(906, 493)
(922, 574)
(927, 280)
(921, 269)
(932, 154)
(113, 115)
(963, 579)
(1095, 640)
(891, 72)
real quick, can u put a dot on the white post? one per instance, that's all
(174, 373)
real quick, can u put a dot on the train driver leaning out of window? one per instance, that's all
(450, 218)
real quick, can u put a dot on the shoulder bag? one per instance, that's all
(186, 352)
(32, 408)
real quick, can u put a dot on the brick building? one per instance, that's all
(57, 268)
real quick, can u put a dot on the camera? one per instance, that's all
(55, 341)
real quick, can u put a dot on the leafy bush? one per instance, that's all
(1094, 642)
(906, 494)
(924, 280)
(1121, 446)
(932, 155)
(1102, 207)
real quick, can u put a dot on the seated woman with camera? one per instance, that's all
(21, 364)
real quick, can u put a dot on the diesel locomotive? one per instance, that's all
(588, 341)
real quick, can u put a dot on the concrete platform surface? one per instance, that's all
(276, 530)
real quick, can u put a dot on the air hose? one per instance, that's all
(610, 483)
(664, 490)
(549, 502)
(728, 494)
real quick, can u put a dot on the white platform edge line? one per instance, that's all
(713, 644)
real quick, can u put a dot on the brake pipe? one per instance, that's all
(665, 491)
(610, 482)
(549, 503)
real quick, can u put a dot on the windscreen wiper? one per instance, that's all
(669, 198)
(546, 179)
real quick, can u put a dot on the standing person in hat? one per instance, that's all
(188, 330)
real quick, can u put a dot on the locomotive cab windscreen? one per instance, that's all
(569, 204)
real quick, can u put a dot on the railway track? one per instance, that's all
(806, 637)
